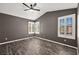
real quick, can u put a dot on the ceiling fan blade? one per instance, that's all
(26, 9)
(25, 5)
(36, 9)
(34, 4)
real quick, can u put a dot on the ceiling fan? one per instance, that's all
(31, 7)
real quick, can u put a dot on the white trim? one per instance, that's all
(15, 40)
(38, 38)
(57, 42)
(73, 27)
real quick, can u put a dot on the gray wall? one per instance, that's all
(12, 27)
(15, 27)
(49, 23)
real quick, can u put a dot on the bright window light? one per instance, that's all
(37, 27)
(33, 27)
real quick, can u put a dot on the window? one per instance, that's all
(69, 26)
(62, 26)
(33, 27)
(66, 26)
(37, 27)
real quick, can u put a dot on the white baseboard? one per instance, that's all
(38, 38)
(56, 42)
(15, 40)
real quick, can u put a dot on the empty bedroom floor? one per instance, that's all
(34, 46)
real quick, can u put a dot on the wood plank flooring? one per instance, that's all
(35, 47)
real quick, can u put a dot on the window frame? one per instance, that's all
(34, 27)
(31, 27)
(65, 35)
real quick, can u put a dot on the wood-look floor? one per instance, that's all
(35, 47)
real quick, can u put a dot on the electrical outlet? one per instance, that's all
(65, 40)
(6, 38)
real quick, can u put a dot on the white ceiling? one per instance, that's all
(17, 9)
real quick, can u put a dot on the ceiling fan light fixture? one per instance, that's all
(31, 7)
(31, 10)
